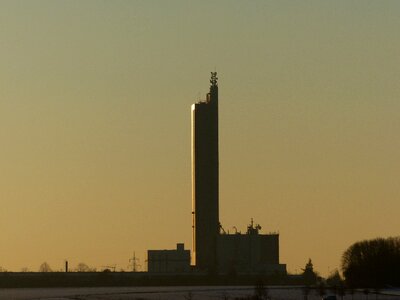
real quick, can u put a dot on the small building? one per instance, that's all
(250, 253)
(169, 261)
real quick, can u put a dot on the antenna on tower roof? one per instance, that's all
(214, 79)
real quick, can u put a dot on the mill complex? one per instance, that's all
(215, 251)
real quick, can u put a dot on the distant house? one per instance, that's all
(169, 261)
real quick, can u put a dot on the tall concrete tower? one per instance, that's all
(205, 181)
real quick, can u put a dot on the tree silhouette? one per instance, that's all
(310, 277)
(334, 279)
(82, 267)
(372, 263)
(45, 267)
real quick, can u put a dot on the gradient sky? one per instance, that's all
(95, 125)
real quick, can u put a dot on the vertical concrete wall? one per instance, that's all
(249, 253)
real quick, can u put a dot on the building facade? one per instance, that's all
(249, 253)
(169, 261)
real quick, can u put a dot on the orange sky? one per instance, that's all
(95, 125)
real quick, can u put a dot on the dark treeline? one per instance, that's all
(95, 279)
(372, 263)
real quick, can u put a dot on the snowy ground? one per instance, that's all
(171, 293)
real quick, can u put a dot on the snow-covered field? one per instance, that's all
(171, 293)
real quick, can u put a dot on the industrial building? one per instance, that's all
(249, 253)
(215, 251)
(169, 261)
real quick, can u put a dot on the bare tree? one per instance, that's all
(82, 267)
(45, 267)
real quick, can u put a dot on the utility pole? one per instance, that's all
(135, 263)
